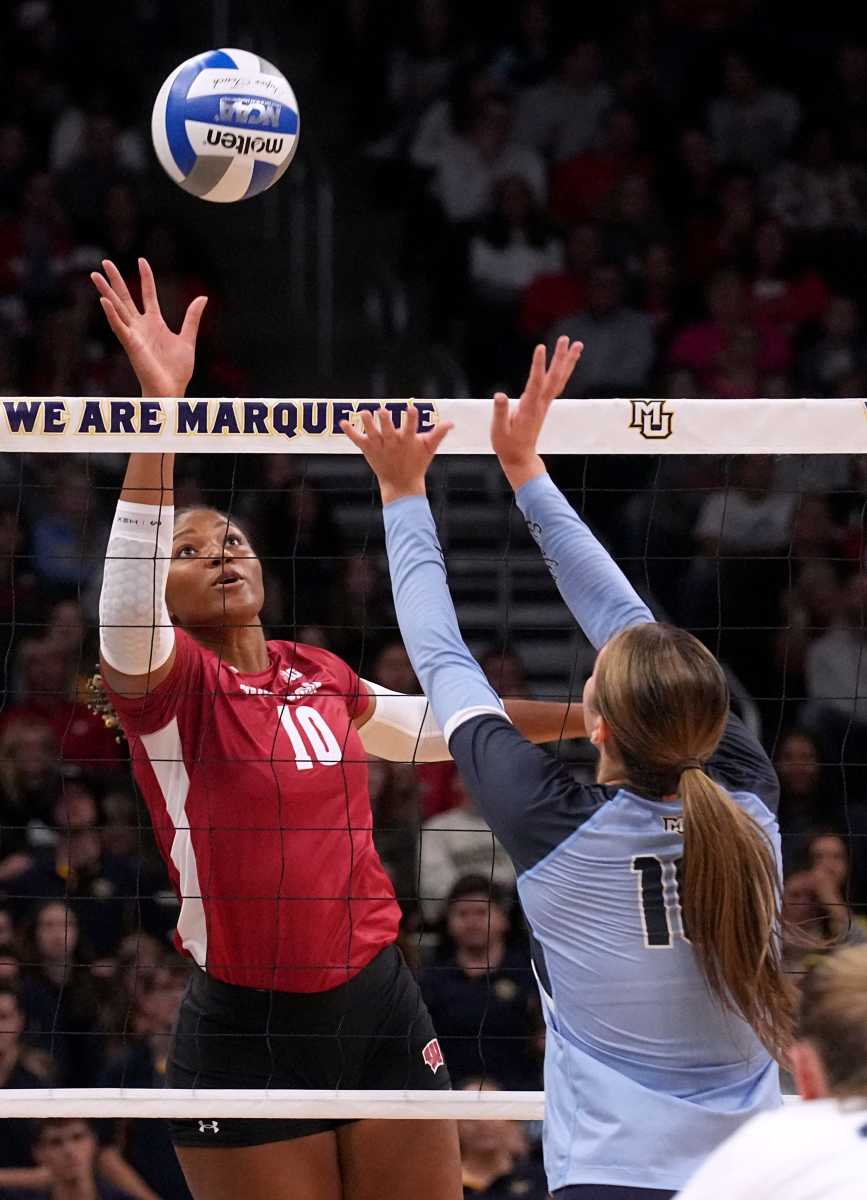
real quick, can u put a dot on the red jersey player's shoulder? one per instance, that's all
(303, 664)
(195, 667)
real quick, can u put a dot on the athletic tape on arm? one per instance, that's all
(135, 631)
(402, 728)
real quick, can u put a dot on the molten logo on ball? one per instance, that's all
(433, 1056)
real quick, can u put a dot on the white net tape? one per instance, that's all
(593, 426)
(208, 1104)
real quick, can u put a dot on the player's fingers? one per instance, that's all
(501, 409)
(437, 436)
(148, 287)
(119, 287)
(119, 327)
(372, 432)
(192, 317)
(107, 293)
(357, 439)
(536, 378)
(410, 429)
(565, 366)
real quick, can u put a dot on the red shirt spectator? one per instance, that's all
(553, 296)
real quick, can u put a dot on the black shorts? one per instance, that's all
(372, 1032)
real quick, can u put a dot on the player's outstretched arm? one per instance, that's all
(450, 677)
(402, 728)
(596, 591)
(137, 643)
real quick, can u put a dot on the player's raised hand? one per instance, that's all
(163, 361)
(515, 430)
(398, 457)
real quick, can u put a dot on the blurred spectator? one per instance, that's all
(146, 1145)
(391, 667)
(481, 994)
(523, 60)
(633, 225)
(361, 604)
(29, 781)
(106, 893)
(66, 1149)
(495, 1158)
(394, 802)
(19, 1068)
(506, 672)
(752, 124)
(60, 995)
(550, 297)
(836, 670)
(456, 843)
(781, 293)
(420, 67)
(510, 249)
(704, 347)
(95, 165)
(809, 797)
(49, 685)
(816, 192)
(583, 185)
(840, 351)
(618, 340)
(468, 162)
(562, 116)
(831, 860)
(291, 525)
(815, 918)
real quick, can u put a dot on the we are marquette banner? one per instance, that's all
(46, 424)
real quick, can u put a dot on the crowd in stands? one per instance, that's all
(681, 186)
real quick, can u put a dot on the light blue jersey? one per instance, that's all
(645, 1072)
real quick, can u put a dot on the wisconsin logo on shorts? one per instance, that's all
(433, 1056)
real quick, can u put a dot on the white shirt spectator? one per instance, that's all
(464, 179)
(754, 133)
(455, 843)
(744, 523)
(836, 669)
(501, 272)
(560, 121)
(812, 1150)
(620, 350)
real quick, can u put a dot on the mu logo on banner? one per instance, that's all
(651, 418)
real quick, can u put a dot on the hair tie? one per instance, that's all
(690, 764)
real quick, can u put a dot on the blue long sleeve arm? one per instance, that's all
(450, 677)
(596, 591)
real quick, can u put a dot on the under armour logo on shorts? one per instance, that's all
(433, 1056)
(209, 1127)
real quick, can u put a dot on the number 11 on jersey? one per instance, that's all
(659, 900)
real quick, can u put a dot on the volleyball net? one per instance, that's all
(742, 520)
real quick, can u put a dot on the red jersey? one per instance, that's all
(257, 790)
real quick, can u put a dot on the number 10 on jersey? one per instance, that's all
(324, 746)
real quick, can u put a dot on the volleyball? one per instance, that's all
(225, 125)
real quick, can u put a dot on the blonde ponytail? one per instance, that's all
(665, 700)
(730, 903)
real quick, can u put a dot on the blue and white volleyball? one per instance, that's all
(225, 125)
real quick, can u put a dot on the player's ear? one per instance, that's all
(808, 1071)
(600, 734)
